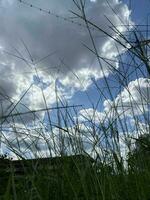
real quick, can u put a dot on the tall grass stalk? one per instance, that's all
(113, 173)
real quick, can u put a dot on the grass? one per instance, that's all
(117, 173)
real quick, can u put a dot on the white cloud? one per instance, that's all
(72, 63)
(38, 142)
(90, 115)
(133, 100)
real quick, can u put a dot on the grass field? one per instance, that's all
(82, 155)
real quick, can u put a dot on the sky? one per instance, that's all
(45, 56)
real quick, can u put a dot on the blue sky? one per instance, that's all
(139, 15)
(43, 58)
(140, 11)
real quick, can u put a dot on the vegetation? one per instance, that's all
(76, 177)
(109, 172)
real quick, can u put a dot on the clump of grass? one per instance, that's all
(110, 174)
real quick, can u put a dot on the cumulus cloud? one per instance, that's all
(131, 107)
(90, 115)
(19, 141)
(42, 143)
(132, 101)
(24, 29)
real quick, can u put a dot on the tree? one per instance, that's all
(139, 158)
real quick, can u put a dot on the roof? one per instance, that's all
(20, 166)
